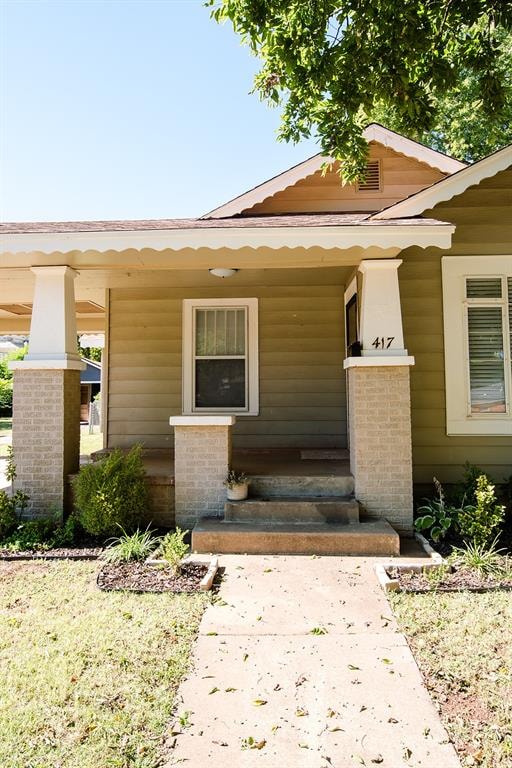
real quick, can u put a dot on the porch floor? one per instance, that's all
(287, 462)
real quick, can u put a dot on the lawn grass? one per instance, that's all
(463, 645)
(88, 677)
(90, 442)
(5, 431)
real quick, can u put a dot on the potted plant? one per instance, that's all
(237, 484)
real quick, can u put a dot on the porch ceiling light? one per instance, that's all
(223, 272)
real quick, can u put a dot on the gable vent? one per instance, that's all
(371, 181)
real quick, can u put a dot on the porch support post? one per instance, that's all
(380, 325)
(46, 395)
(380, 402)
(202, 457)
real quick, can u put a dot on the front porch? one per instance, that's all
(294, 371)
(300, 501)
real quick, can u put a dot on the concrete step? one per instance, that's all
(372, 537)
(293, 510)
(272, 486)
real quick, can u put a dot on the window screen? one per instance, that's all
(220, 365)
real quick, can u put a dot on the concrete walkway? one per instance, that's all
(350, 697)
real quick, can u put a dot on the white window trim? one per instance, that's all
(189, 307)
(350, 292)
(459, 420)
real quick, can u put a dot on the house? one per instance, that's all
(90, 386)
(330, 340)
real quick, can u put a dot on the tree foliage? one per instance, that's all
(335, 65)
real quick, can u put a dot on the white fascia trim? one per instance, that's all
(268, 188)
(378, 361)
(327, 237)
(447, 188)
(414, 149)
(373, 132)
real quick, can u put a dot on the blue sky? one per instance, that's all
(128, 110)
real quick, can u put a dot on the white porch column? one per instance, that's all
(381, 332)
(46, 395)
(379, 400)
(202, 456)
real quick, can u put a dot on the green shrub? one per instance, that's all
(10, 469)
(8, 517)
(68, 534)
(478, 522)
(131, 547)
(112, 493)
(32, 535)
(11, 509)
(436, 517)
(174, 549)
(5, 396)
(42, 534)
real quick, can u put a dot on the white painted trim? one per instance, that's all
(381, 314)
(447, 188)
(373, 132)
(105, 372)
(252, 352)
(411, 148)
(364, 235)
(455, 270)
(41, 365)
(378, 362)
(350, 291)
(202, 421)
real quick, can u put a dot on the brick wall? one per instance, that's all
(46, 435)
(380, 442)
(202, 458)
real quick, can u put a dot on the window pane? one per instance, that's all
(483, 288)
(220, 332)
(486, 360)
(240, 332)
(220, 383)
(200, 332)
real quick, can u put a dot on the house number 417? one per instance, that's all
(383, 342)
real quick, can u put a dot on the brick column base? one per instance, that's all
(202, 455)
(46, 436)
(380, 441)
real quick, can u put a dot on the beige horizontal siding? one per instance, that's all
(400, 176)
(301, 343)
(484, 226)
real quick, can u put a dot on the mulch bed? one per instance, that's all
(62, 553)
(460, 579)
(139, 577)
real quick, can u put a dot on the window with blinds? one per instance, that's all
(489, 343)
(220, 356)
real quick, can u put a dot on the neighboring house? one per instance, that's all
(8, 346)
(372, 318)
(90, 386)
